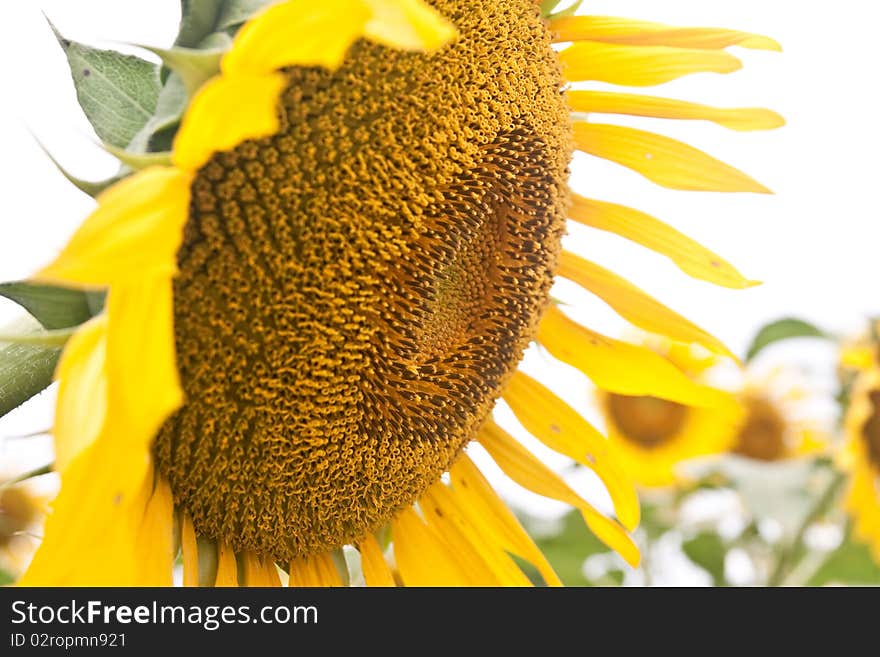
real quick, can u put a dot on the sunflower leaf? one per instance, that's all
(117, 92)
(782, 329)
(158, 133)
(25, 370)
(54, 307)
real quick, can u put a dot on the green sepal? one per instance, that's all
(57, 338)
(851, 563)
(138, 161)
(54, 307)
(236, 12)
(158, 133)
(548, 7)
(195, 67)
(92, 188)
(198, 20)
(783, 329)
(37, 472)
(118, 93)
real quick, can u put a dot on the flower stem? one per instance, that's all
(790, 553)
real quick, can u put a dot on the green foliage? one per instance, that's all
(707, 550)
(567, 550)
(117, 92)
(5, 578)
(783, 329)
(851, 563)
(25, 370)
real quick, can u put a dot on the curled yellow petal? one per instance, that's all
(607, 102)
(227, 110)
(305, 33)
(619, 367)
(487, 511)
(640, 66)
(133, 233)
(423, 559)
(612, 29)
(155, 541)
(81, 405)
(561, 428)
(317, 570)
(667, 162)
(518, 464)
(635, 305)
(691, 257)
(408, 25)
(227, 566)
(97, 517)
(373, 564)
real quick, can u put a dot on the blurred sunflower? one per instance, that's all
(652, 436)
(314, 308)
(21, 512)
(861, 457)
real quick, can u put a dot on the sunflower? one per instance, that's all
(314, 307)
(652, 436)
(21, 512)
(776, 423)
(862, 458)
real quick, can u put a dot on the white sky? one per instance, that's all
(815, 244)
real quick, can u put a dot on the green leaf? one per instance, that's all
(92, 188)
(5, 578)
(117, 92)
(548, 8)
(25, 370)
(236, 12)
(782, 329)
(851, 563)
(567, 550)
(707, 551)
(54, 307)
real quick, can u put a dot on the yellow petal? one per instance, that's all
(528, 472)
(190, 550)
(81, 405)
(485, 562)
(561, 428)
(619, 367)
(692, 258)
(91, 534)
(423, 559)
(133, 233)
(226, 111)
(640, 66)
(143, 382)
(227, 566)
(662, 160)
(634, 305)
(408, 25)
(612, 29)
(304, 33)
(155, 542)
(606, 102)
(375, 568)
(313, 571)
(259, 571)
(486, 510)
(297, 33)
